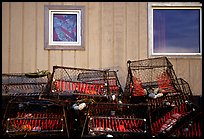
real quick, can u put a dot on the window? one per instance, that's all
(174, 28)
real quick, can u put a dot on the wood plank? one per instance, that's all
(174, 63)
(143, 30)
(55, 56)
(132, 31)
(94, 34)
(16, 38)
(119, 40)
(42, 55)
(183, 68)
(68, 56)
(5, 36)
(81, 58)
(107, 35)
(29, 37)
(196, 76)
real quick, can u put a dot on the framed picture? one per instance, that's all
(64, 27)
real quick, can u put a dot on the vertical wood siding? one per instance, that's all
(114, 33)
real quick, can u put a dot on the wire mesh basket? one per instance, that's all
(33, 117)
(190, 129)
(114, 85)
(117, 120)
(153, 78)
(164, 103)
(170, 122)
(18, 84)
(80, 83)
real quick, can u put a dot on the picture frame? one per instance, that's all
(64, 27)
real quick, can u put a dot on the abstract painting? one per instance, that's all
(64, 27)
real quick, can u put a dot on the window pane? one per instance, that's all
(176, 31)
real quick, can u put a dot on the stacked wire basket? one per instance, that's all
(117, 120)
(80, 83)
(25, 115)
(18, 84)
(31, 117)
(169, 98)
(79, 102)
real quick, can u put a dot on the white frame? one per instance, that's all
(171, 5)
(50, 10)
(51, 13)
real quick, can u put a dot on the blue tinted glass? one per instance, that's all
(176, 30)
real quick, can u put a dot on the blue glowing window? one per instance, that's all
(175, 29)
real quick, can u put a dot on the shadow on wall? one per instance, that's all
(198, 101)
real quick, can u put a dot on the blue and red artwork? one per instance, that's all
(65, 27)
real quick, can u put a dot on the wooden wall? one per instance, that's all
(114, 33)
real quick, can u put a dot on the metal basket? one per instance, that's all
(153, 77)
(164, 103)
(114, 85)
(80, 83)
(170, 122)
(18, 84)
(117, 120)
(150, 73)
(191, 128)
(33, 117)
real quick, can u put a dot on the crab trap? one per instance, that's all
(163, 104)
(32, 117)
(22, 84)
(169, 123)
(116, 120)
(150, 79)
(114, 86)
(190, 129)
(67, 83)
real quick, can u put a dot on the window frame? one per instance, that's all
(171, 5)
